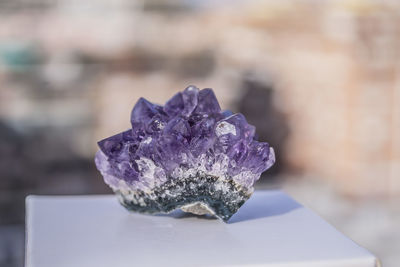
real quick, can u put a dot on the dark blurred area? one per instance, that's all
(319, 79)
(257, 104)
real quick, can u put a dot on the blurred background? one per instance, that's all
(320, 79)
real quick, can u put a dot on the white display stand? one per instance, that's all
(270, 229)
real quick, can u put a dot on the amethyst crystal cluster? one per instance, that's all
(187, 154)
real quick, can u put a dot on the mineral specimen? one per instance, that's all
(187, 154)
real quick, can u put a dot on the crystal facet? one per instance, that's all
(187, 154)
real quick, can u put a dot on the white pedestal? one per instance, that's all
(270, 229)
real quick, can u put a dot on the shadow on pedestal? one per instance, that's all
(264, 205)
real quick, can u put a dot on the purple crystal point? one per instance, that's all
(203, 136)
(190, 99)
(183, 103)
(144, 110)
(207, 102)
(113, 145)
(186, 153)
(175, 105)
(263, 158)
